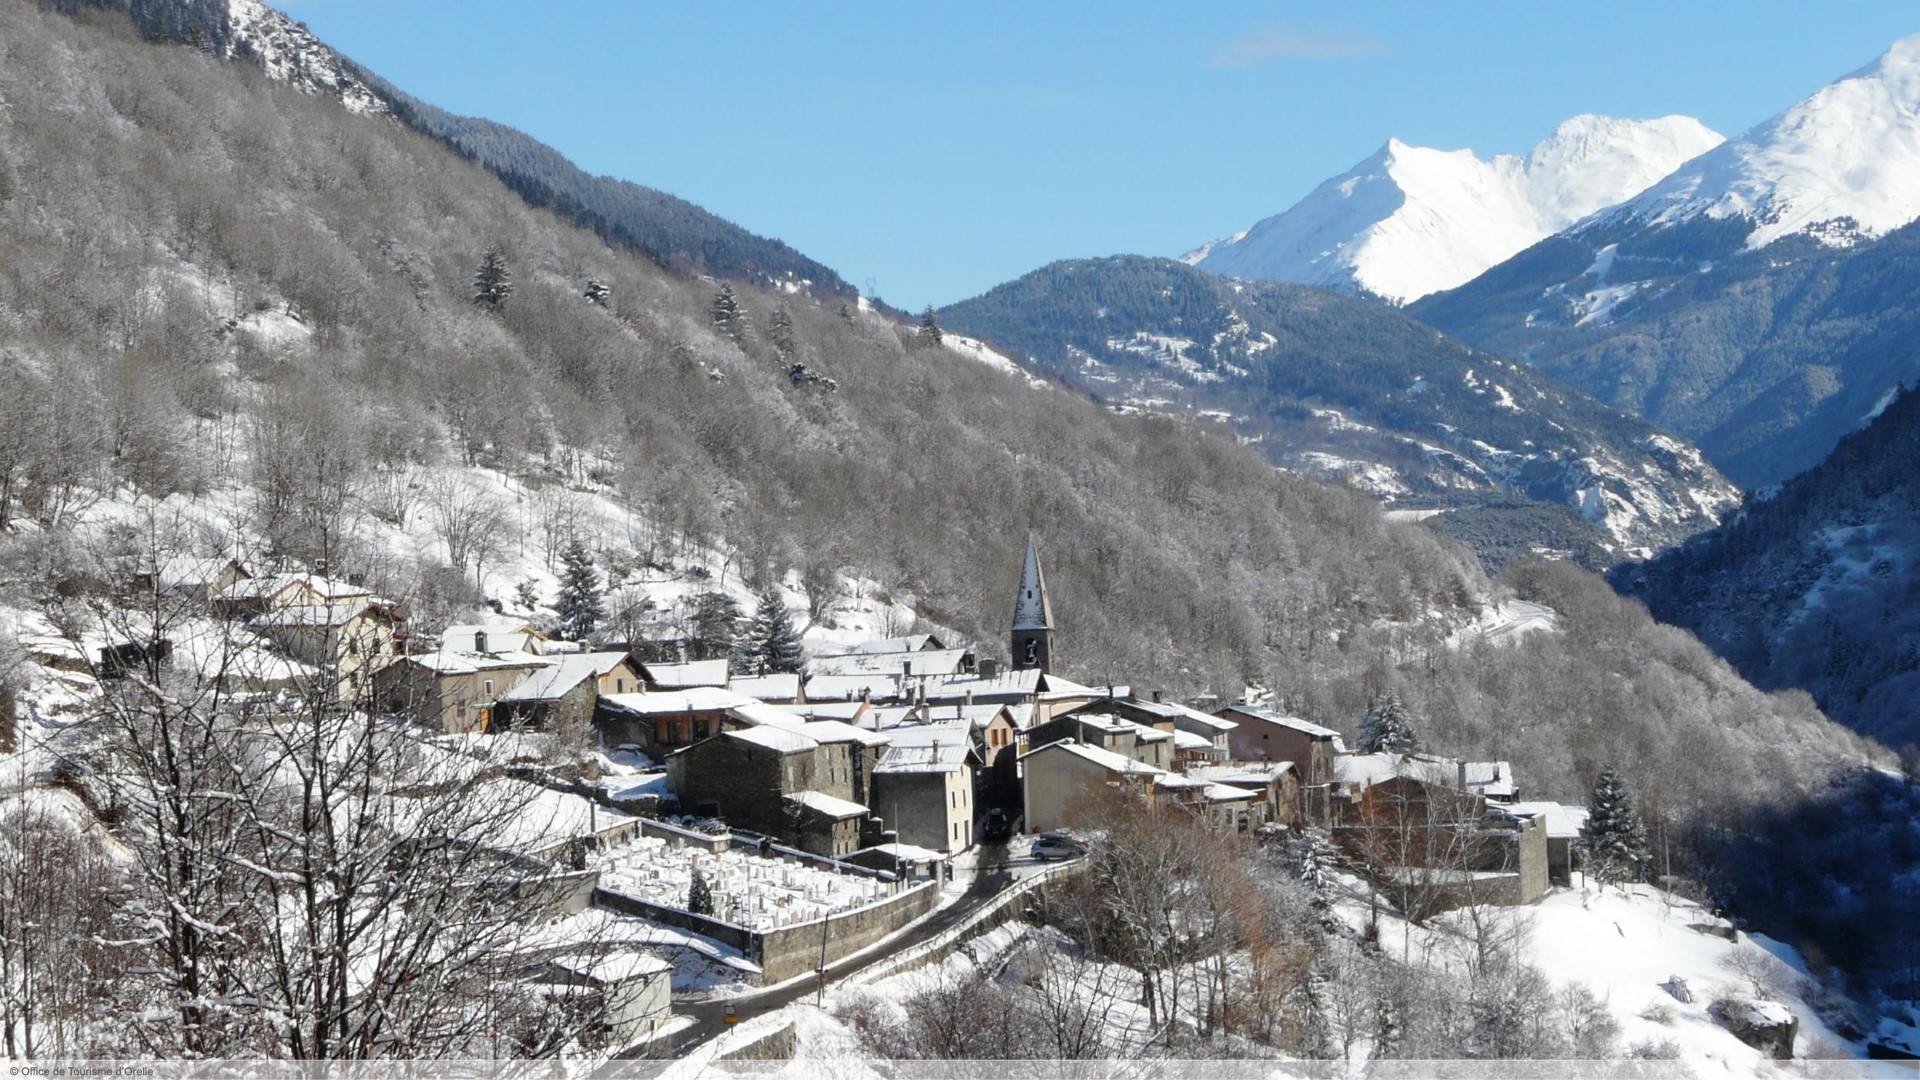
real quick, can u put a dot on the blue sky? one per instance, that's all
(931, 152)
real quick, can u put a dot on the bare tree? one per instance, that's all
(471, 522)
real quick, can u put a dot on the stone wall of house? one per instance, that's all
(748, 784)
(914, 806)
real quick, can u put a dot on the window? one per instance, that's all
(486, 687)
(619, 686)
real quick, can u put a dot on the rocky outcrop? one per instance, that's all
(1767, 1026)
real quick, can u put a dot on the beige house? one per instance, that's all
(1061, 777)
(354, 638)
(451, 691)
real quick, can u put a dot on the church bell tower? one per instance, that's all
(1032, 642)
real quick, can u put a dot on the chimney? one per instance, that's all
(969, 699)
(1156, 697)
(989, 668)
(479, 641)
(320, 567)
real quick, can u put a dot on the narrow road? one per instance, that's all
(991, 877)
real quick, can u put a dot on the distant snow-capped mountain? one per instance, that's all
(1840, 166)
(1412, 220)
(1759, 301)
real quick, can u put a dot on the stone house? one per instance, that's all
(779, 781)
(451, 692)
(1274, 781)
(253, 596)
(565, 694)
(923, 786)
(1431, 842)
(1265, 735)
(662, 722)
(1061, 777)
(1563, 826)
(1225, 806)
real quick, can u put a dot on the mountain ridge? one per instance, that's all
(1410, 220)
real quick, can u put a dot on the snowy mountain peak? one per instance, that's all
(1410, 220)
(1841, 165)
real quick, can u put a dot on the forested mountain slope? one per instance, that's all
(1818, 587)
(1336, 386)
(670, 229)
(221, 291)
(1760, 301)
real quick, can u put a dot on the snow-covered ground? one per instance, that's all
(1506, 621)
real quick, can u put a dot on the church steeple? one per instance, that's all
(1032, 642)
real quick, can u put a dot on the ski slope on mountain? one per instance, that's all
(1411, 220)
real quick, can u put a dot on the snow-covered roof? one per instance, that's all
(830, 805)
(453, 662)
(556, 679)
(778, 739)
(293, 615)
(1106, 759)
(1563, 822)
(835, 731)
(759, 713)
(1361, 771)
(946, 751)
(693, 699)
(1229, 793)
(1059, 686)
(1187, 740)
(853, 687)
(919, 662)
(1019, 682)
(909, 643)
(272, 585)
(1493, 779)
(684, 676)
(1199, 719)
(611, 968)
(976, 716)
(1259, 773)
(502, 635)
(194, 572)
(905, 852)
(1285, 721)
(781, 686)
(847, 711)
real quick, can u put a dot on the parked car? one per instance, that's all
(999, 825)
(1053, 845)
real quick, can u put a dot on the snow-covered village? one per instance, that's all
(478, 598)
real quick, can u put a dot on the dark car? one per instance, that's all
(999, 825)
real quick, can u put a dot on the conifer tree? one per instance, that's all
(1388, 726)
(715, 627)
(780, 332)
(700, 895)
(492, 283)
(930, 333)
(772, 645)
(597, 292)
(1614, 838)
(579, 603)
(727, 316)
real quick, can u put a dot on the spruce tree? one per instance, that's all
(715, 627)
(727, 316)
(772, 645)
(1614, 838)
(780, 332)
(1388, 726)
(492, 283)
(579, 603)
(597, 292)
(930, 333)
(700, 895)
